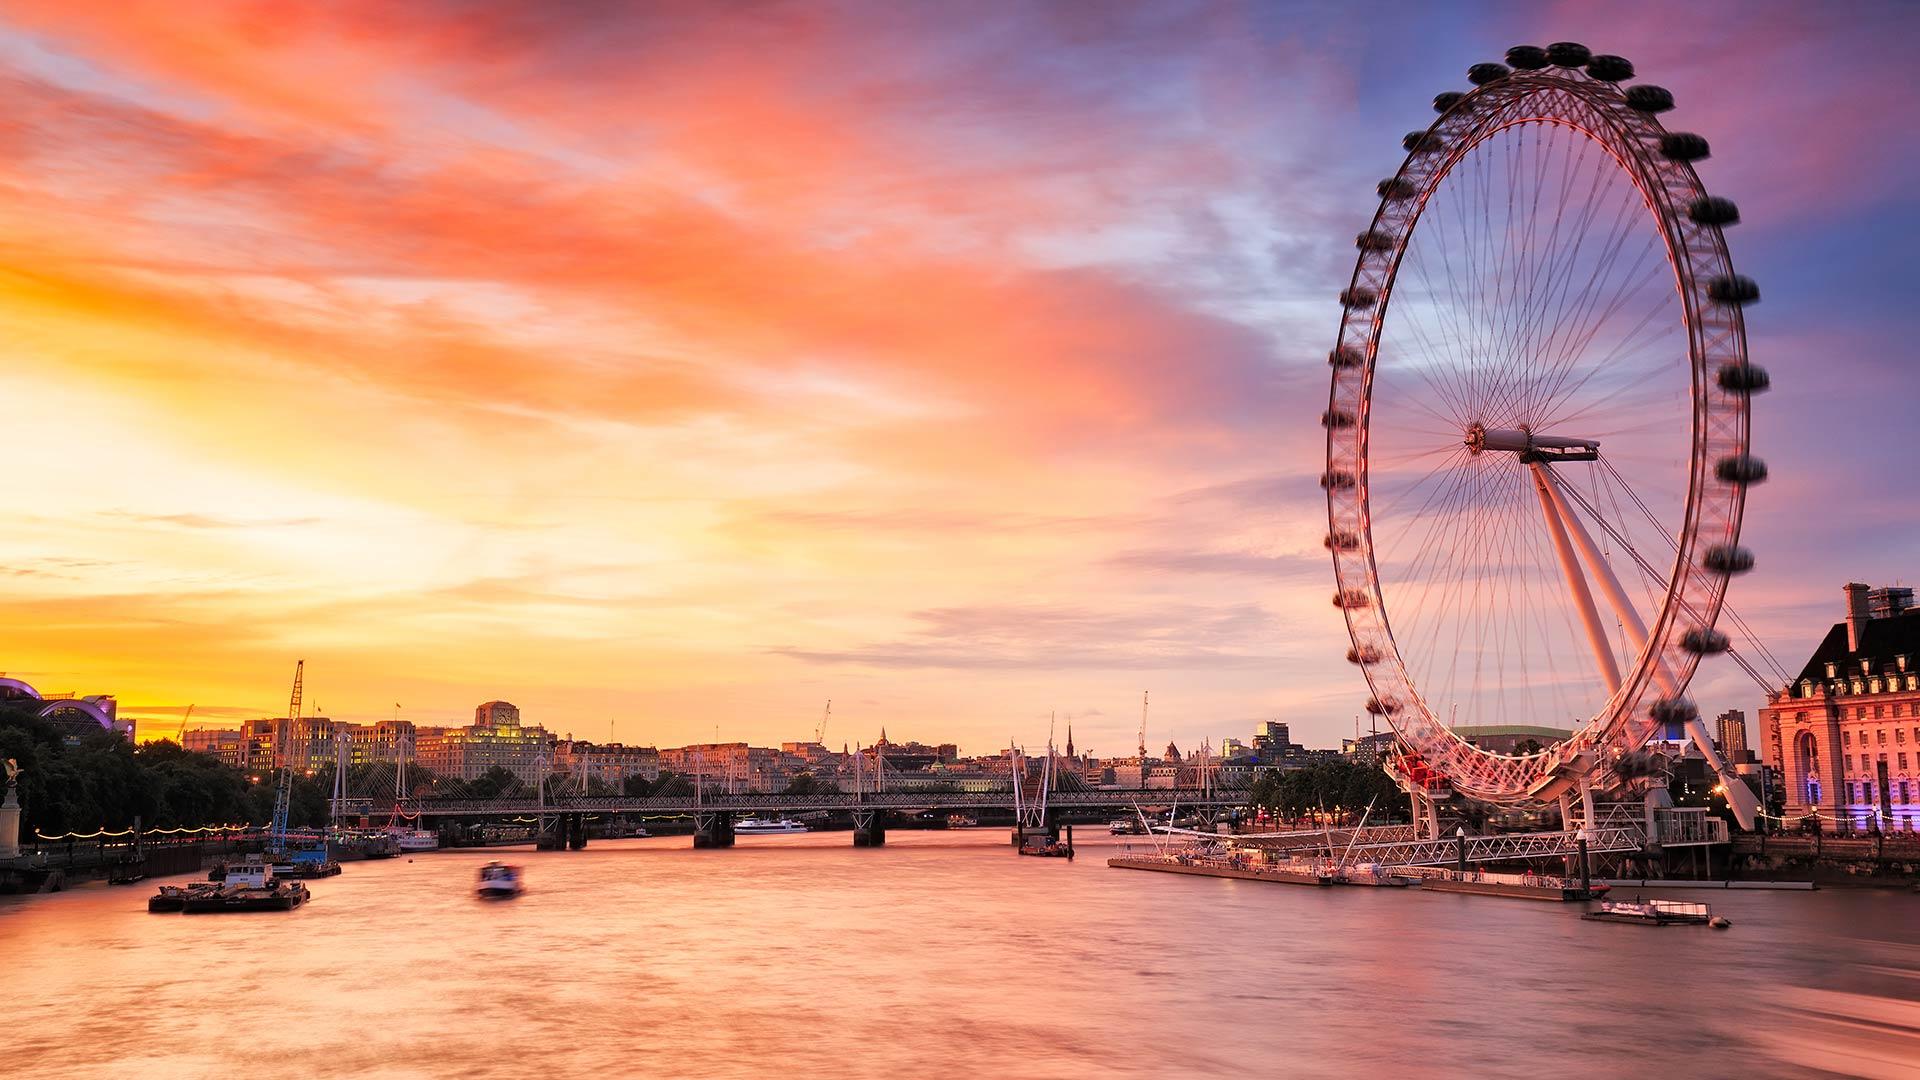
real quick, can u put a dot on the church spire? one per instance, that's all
(1069, 738)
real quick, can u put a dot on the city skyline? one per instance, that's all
(956, 384)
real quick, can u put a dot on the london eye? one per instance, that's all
(1537, 434)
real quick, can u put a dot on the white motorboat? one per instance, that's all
(498, 881)
(764, 826)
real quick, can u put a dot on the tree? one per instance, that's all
(672, 784)
(808, 784)
(636, 785)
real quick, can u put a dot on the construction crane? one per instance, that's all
(283, 786)
(181, 735)
(1143, 728)
(820, 732)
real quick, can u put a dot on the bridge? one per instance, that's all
(713, 813)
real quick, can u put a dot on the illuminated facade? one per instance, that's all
(1845, 735)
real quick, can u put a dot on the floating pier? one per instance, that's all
(1208, 866)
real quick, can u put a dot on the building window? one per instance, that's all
(1903, 791)
(1883, 737)
(1846, 739)
(1878, 709)
(1900, 735)
(1903, 763)
(1899, 710)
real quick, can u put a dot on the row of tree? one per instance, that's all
(106, 782)
(1341, 788)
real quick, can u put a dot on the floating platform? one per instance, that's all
(284, 897)
(1213, 868)
(1645, 912)
(1548, 887)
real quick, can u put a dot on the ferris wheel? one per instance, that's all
(1537, 432)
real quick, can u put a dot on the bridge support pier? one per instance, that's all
(869, 828)
(713, 829)
(576, 832)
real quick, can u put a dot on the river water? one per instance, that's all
(941, 954)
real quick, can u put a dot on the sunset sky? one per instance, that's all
(691, 364)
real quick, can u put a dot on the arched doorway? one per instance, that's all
(1806, 763)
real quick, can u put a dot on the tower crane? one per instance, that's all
(820, 732)
(283, 785)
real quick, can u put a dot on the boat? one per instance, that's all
(376, 845)
(1046, 849)
(498, 881)
(411, 840)
(749, 826)
(1646, 912)
(247, 885)
(961, 821)
(1127, 827)
(174, 897)
(305, 859)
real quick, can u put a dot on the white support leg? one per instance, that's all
(1603, 573)
(1576, 581)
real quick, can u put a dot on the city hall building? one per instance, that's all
(1845, 736)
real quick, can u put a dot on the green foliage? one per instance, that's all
(807, 784)
(104, 782)
(1339, 786)
(672, 784)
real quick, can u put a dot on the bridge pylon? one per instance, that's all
(713, 829)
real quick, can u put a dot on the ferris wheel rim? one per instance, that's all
(1597, 109)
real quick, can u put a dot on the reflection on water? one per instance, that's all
(940, 954)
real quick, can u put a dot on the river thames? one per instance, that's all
(941, 954)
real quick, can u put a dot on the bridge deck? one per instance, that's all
(710, 803)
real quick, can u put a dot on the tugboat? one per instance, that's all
(498, 881)
(248, 885)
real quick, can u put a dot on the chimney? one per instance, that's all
(1856, 614)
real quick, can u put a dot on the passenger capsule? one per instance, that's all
(1732, 289)
(1443, 102)
(1382, 706)
(1727, 559)
(1740, 469)
(1743, 378)
(1705, 641)
(1347, 599)
(1683, 146)
(1373, 241)
(1421, 142)
(1527, 57)
(1346, 356)
(1673, 711)
(1396, 187)
(1366, 655)
(1482, 74)
(1357, 298)
(1568, 54)
(1342, 541)
(1334, 419)
(1648, 98)
(1609, 68)
(1336, 480)
(1713, 210)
